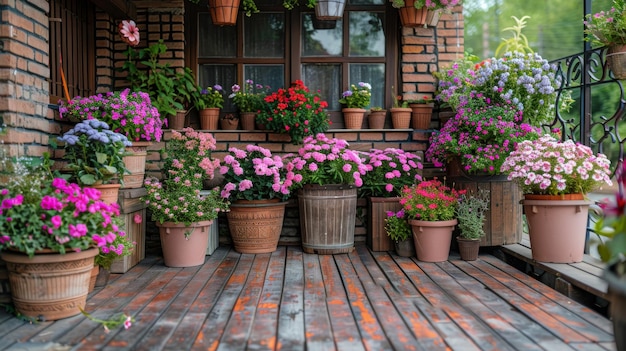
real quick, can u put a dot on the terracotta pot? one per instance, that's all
(421, 115)
(557, 229)
(412, 17)
(50, 286)
(93, 277)
(108, 192)
(184, 246)
(405, 248)
(248, 120)
(468, 248)
(224, 12)
(432, 239)
(255, 226)
(135, 162)
(401, 117)
(327, 218)
(209, 118)
(229, 124)
(376, 119)
(328, 10)
(177, 121)
(353, 118)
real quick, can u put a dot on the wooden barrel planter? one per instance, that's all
(503, 220)
(327, 218)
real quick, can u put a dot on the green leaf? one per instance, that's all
(87, 179)
(101, 157)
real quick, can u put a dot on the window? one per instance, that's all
(276, 46)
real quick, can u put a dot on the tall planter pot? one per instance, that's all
(376, 119)
(135, 162)
(209, 118)
(248, 120)
(617, 293)
(432, 239)
(184, 245)
(50, 286)
(255, 226)
(353, 117)
(377, 238)
(557, 228)
(503, 219)
(327, 218)
(224, 12)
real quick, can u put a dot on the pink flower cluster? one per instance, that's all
(430, 201)
(322, 160)
(389, 170)
(549, 166)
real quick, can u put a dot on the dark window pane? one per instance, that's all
(320, 42)
(264, 35)
(215, 41)
(366, 34)
(224, 75)
(367, 2)
(326, 79)
(267, 75)
(373, 74)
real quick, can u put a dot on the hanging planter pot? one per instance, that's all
(224, 12)
(616, 59)
(412, 17)
(329, 10)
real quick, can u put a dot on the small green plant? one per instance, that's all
(396, 226)
(470, 213)
(516, 43)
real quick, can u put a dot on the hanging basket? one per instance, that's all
(616, 59)
(412, 17)
(224, 12)
(328, 10)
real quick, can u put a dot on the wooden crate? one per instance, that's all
(214, 238)
(132, 208)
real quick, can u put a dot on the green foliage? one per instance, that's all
(120, 247)
(607, 28)
(397, 226)
(358, 96)
(518, 41)
(169, 90)
(470, 213)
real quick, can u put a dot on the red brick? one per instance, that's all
(396, 136)
(227, 136)
(255, 137)
(349, 136)
(371, 136)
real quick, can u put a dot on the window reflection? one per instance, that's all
(215, 41)
(325, 78)
(366, 34)
(267, 75)
(224, 75)
(320, 42)
(373, 74)
(264, 35)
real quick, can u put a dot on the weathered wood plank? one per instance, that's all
(186, 331)
(586, 313)
(291, 332)
(562, 322)
(319, 334)
(263, 335)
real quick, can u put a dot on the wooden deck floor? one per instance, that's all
(290, 300)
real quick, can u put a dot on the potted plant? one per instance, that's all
(430, 208)
(400, 112)
(610, 226)
(229, 121)
(249, 100)
(118, 248)
(376, 118)
(94, 156)
(328, 173)
(608, 28)
(182, 213)
(470, 212)
(388, 171)
(208, 103)
(455, 81)
(48, 224)
(354, 101)
(421, 112)
(554, 177)
(257, 187)
(416, 13)
(294, 111)
(399, 231)
(126, 112)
